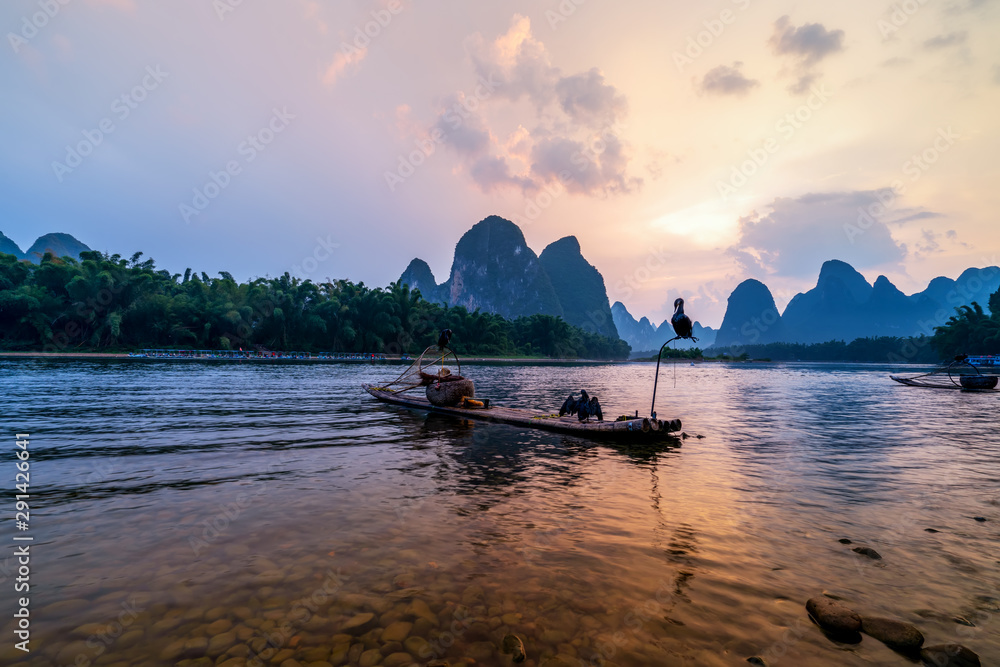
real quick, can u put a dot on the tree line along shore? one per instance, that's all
(107, 304)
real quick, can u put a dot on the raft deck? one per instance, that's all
(640, 428)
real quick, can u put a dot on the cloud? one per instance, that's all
(490, 172)
(725, 80)
(582, 168)
(811, 42)
(928, 243)
(796, 235)
(896, 62)
(904, 216)
(519, 61)
(588, 100)
(348, 57)
(571, 135)
(807, 45)
(945, 41)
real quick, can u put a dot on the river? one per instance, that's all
(206, 513)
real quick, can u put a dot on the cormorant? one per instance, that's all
(444, 339)
(681, 322)
(595, 409)
(589, 407)
(569, 406)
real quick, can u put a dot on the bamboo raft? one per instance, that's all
(633, 429)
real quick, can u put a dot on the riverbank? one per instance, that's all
(386, 359)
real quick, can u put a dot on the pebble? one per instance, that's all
(397, 632)
(282, 655)
(514, 647)
(481, 651)
(949, 655)
(844, 540)
(757, 660)
(962, 620)
(68, 654)
(359, 624)
(87, 629)
(219, 643)
(219, 626)
(931, 530)
(173, 650)
(420, 609)
(980, 519)
(370, 658)
(867, 551)
(894, 634)
(833, 616)
(397, 659)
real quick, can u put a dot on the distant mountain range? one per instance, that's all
(845, 306)
(60, 245)
(644, 337)
(495, 271)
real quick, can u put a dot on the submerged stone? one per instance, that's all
(867, 551)
(513, 646)
(949, 655)
(844, 540)
(359, 624)
(894, 634)
(833, 616)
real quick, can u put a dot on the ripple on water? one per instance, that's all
(204, 514)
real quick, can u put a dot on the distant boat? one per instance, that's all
(963, 373)
(985, 361)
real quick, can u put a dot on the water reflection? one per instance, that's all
(225, 494)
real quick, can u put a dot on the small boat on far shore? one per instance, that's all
(961, 374)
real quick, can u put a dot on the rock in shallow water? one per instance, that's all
(867, 551)
(513, 646)
(833, 616)
(359, 624)
(949, 655)
(894, 634)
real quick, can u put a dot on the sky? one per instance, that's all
(688, 146)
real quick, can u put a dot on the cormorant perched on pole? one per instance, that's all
(681, 322)
(683, 328)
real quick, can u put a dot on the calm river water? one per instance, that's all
(203, 514)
